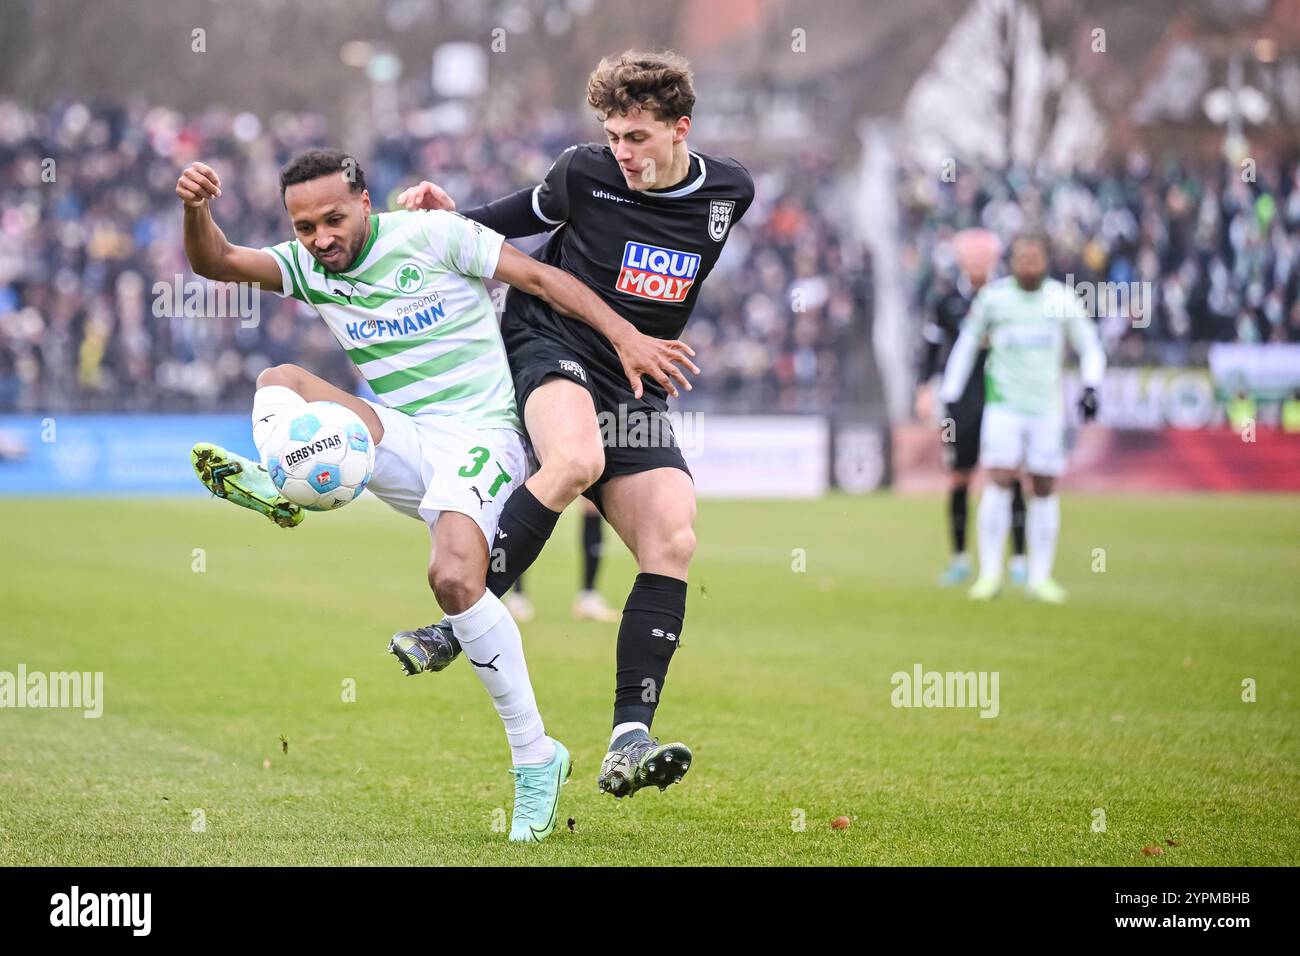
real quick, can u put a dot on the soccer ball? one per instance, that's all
(322, 457)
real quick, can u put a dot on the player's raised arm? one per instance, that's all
(527, 212)
(640, 354)
(513, 216)
(211, 255)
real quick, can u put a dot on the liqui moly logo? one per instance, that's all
(653, 272)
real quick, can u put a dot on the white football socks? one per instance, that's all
(994, 521)
(490, 639)
(1042, 525)
(270, 402)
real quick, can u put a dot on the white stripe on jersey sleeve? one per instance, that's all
(285, 250)
(537, 209)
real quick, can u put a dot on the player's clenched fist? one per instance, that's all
(198, 183)
(427, 195)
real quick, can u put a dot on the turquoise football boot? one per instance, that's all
(537, 797)
(957, 573)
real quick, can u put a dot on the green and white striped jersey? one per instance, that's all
(1026, 332)
(413, 314)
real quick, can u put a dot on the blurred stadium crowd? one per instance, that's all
(1220, 254)
(84, 239)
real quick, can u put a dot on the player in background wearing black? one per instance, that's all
(977, 257)
(588, 604)
(641, 220)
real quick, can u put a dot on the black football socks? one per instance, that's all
(957, 518)
(522, 531)
(591, 541)
(647, 637)
(1017, 518)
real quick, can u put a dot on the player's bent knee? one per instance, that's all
(576, 470)
(669, 553)
(286, 374)
(455, 587)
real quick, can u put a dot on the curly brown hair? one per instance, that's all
(659, 83)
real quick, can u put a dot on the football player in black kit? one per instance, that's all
(977, 255)
(641, 220)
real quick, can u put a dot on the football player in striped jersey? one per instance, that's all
(403, 294)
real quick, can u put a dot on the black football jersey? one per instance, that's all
(940, 335)
(645, 253)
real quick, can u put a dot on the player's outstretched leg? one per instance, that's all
(243, 482)
(491, 642)
(281, 390)
(653, 512)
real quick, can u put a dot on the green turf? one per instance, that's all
(1128, 699)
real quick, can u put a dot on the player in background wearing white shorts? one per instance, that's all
(1026, 318)
(403, 294)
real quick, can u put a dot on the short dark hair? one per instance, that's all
(1034, 234)
(659, 83)
(315, 163)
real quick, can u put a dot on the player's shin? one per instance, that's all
(592, 537)
(957, 518)
(1017, 518)
(647, 637)
(522, 532)
(994, 519)
(1042, 526)
(491, 642)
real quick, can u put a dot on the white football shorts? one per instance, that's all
(428, 464)
(1015, 440)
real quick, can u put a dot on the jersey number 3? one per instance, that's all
(478, 458)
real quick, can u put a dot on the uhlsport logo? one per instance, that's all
(653, 272)
(409, 278)
(573, 368)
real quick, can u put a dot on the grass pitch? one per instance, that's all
(1128, 700)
